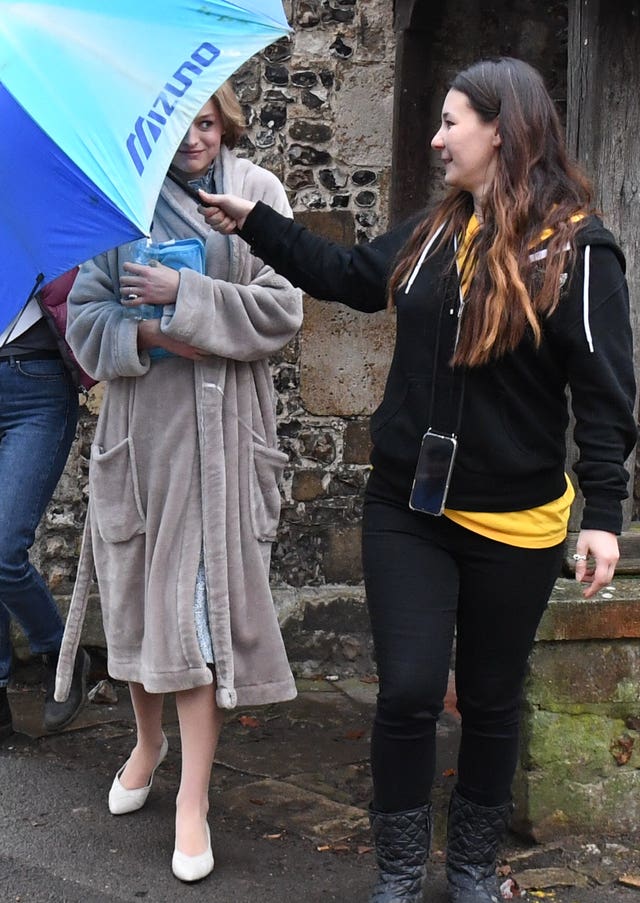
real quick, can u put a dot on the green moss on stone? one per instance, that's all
(579, 744)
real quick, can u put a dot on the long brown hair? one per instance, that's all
(536, 187)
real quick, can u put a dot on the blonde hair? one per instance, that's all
(233, 120)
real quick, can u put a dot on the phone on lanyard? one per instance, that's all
(433, 473)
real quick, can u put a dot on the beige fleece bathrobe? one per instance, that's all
(185, 459)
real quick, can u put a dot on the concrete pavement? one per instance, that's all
(288, 811)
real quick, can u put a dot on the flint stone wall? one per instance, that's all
(319, 108)
(320, 112)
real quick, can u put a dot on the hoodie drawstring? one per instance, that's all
(421, 259)
(585, 297)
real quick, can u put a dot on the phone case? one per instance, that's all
(433, 473)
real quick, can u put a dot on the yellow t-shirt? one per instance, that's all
(533, 528)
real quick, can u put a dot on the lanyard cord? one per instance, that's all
(436, 352)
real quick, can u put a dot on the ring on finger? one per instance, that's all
(578, 557)
(132, 297)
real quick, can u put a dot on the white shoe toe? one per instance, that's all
(193, 868)
(121, 800)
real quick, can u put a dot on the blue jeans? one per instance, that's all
(38, 417)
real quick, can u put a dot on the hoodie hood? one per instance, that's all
(592, 232)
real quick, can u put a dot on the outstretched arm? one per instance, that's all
(355, 276)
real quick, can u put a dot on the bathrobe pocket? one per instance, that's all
(265, 473)
(115, 495)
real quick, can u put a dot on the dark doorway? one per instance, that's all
(432, 45)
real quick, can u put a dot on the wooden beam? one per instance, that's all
(603, 117)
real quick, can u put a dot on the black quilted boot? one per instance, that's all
(473, 837)
(402, 847)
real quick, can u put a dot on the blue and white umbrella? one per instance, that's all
(95, 98)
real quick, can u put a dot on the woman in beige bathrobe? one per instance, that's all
(183, 484)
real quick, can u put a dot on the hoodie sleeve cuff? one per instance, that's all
(600, 514)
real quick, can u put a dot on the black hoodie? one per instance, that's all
(511, 415)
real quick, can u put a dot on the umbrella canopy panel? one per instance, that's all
(94, 99)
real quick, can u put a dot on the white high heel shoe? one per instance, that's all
(122, 800)
(193, 868)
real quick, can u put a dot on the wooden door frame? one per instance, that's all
(602, 99)
(413, 113)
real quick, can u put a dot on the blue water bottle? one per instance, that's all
(143, 253)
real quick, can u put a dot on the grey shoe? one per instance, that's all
(473, 836)
(59, 714)
(402, 847)
(6, 721)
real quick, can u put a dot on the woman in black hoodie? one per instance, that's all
(507, 293)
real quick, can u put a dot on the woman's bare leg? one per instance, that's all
(200, 724)
(144, 756)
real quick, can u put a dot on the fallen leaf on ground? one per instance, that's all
(357, 734)
(629, 880)
(103, 693)
(622, 749)
(448, 773)
(249, 721)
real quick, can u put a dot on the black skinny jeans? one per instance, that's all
(427, 579)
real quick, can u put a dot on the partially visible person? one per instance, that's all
(507, 293)
(38, 416)
(183, 482)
